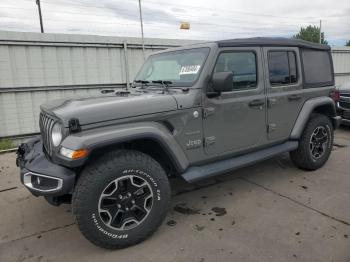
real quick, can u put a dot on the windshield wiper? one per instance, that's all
(142, 82)
(164, 83)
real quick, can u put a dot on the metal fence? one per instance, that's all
(341, 60)
(36, 68)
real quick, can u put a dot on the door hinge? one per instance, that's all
(271, 102)
(210, 140)
(271, 127)
(207, 111)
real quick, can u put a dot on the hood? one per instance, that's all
(345, 88)
(103, 108)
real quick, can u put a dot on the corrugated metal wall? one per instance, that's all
(20, 110)
(36, 68)
(341, 60)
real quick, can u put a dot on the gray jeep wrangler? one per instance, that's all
(195, 112)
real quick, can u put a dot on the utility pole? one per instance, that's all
(320, 40)
(143, 44)
(40, 16)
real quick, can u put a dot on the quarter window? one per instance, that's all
(318, 69)
(282, 67)
(243, 67)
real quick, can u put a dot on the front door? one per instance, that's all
(235, 121)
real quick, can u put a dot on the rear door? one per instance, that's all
(284, 89)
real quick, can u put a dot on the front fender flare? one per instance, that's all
(306, 111)
(105, 136)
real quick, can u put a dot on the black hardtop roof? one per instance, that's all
(270, 41)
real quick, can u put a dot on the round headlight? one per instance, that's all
(56, 134)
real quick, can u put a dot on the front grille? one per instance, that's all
(46, 123)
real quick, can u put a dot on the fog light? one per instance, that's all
(41, 182)
(73, 154)
(38, 180)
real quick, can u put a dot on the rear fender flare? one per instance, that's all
(308, 108)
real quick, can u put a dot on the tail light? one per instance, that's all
(335, 95)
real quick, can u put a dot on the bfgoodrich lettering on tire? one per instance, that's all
(121, 198)
(315, 144)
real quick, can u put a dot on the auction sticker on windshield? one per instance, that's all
(189, 69)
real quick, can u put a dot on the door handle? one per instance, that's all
(256, 103)
(294, 97)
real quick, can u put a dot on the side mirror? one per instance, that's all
(222, 81)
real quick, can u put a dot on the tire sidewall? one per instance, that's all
(324, 122)
(161, 197)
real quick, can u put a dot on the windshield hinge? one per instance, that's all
(207, 111)
(271, 127)
(208, 141)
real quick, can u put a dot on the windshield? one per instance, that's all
(181, 67)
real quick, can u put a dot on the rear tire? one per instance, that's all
(315, 144)
(120, 199)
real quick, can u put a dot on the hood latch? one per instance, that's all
(74, 125)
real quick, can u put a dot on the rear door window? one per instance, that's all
(282, 67)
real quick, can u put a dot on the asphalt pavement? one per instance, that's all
(271, 211)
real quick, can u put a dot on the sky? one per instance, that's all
(209, 19)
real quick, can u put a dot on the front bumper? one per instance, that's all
(41, 176)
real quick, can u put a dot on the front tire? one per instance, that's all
(315, 144)
(121, 198)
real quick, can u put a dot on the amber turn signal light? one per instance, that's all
(74, 154)
(79, 153)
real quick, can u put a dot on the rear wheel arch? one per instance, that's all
(315, 144)
(321, 105)
(327, 110)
